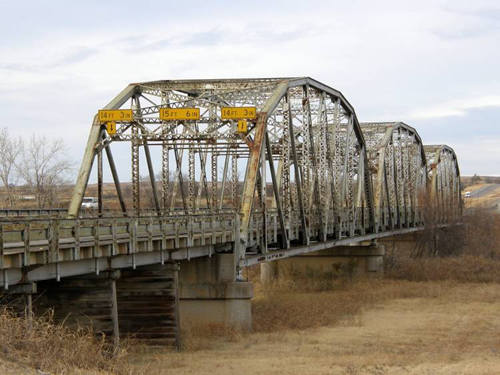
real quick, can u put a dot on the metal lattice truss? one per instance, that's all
(305, 142)
(398, 164)
(444, 175)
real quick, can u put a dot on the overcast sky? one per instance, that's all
(432, 64)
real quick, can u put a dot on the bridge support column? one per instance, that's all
(335, 262)
(82, 301)
(19, 299)
(148, 304)
(405, 244)
(141, 303)
(209, 293)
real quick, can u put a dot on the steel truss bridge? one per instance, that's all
(306, 175)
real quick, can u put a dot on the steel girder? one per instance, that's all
(444, 182)
(398, 164)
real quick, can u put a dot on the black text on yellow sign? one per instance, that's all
(176, 114)
(122, 115)
(242, 126)
(111, 127)
(236, 113)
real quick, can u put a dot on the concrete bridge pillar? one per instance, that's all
(210, 293)
(335, 262)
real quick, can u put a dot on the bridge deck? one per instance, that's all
(50, 248)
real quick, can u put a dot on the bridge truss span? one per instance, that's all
(304, 141)
(399, 174)
(444, 183)
(263, 168)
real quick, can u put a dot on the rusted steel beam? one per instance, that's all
(99, 183)
(251, 176)
(88, 157)
(315, 182)
(152, 177)
(116, 179)
(284, 236)
(298, 182)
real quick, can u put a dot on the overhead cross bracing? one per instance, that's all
(299, 175)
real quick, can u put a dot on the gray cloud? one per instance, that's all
(473, 22)
(387, 58)
(75, 56)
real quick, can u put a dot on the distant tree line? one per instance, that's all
(38, 164)
(476, 179)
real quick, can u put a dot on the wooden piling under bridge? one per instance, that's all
(145, 298)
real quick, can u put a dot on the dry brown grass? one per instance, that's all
(205, 336)
(388, 327)
(482, 233)
(53, 348)
(472, 253)
(463, 268)
(281, 308)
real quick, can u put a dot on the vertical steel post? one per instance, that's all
(116, 179)
(151, 176)
(99, 183)
(284, 237)
(224, 178)
(298, 183)
(135, 170)
(250, 180)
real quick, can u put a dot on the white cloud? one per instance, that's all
(387, 58)
(455, 107)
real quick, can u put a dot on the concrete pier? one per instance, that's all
(352, 261)
(210, 293)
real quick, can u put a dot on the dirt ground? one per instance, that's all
(453, 330)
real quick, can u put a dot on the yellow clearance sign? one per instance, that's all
(236, 113)
(242, 126)
(111, 127)
(123, 115)
(173, 114)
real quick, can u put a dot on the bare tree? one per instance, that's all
(44, 167)
(10, 149)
